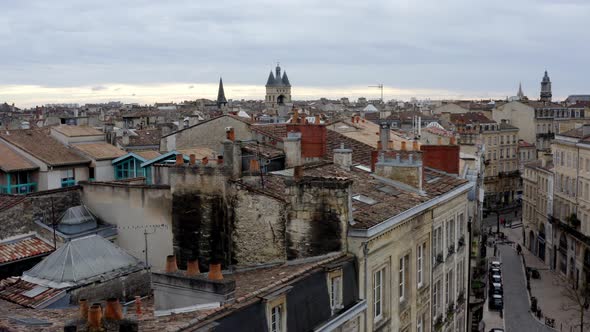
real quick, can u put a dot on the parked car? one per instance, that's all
(495, 278)
(496, 288)
(495, 271)
(495, 264)
(496, 302)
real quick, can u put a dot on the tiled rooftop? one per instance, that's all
(99, 151)
(148, 154)
(77, 131)
(41, 145)
(8, 201)
(470, 118)
(15, 292)
(23, 247)
(276, 131)
(11, 161)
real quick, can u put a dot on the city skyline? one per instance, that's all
(77, 52)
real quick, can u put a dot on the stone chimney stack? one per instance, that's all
(292, 148)
(125, 139)
(384, 135)
(343, 157)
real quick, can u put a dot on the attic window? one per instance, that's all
(35, 291)
(364, 199)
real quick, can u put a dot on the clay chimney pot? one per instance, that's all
(192, 159)
(138, 305)
(452, 140)
(230, 134)
(403, 145)
(298, 173)
(113, 309)
(205, 161)
(215, 272)
(439, 141)
(192, 267)
(83, 309)
(415, 145)
(94, 316)
(179, 160)
(219, 160)
(171, 266)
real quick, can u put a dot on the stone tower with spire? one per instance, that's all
(520, 94)
(546, 88)
(221, 101)
(278, 89)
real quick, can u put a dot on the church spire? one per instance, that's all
(221, 101)
(520, 95)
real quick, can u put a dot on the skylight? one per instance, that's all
(364, 199)
(35, 291)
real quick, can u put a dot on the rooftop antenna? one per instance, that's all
(379, 86)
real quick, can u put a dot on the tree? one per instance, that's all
(578, 297)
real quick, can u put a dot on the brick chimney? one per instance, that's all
(343, 157)
(230, 134)
(179, 160)
(444, 158)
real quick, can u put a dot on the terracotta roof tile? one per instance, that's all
(11, 161)
(8, 201)
(51, 151)
(24, 247)
(77, 131)
(361, 152)
(266, 151)
(147, 154)
(14, 293)
(274, 130)
(99, 151)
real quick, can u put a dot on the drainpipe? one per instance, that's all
(366, 256)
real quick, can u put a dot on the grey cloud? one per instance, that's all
(98, 88)
(455, 44)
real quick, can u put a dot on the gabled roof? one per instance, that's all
(82, 261)
(11, 161)
(77, 131)
(42, 146)
(23, 247)
(99, 151)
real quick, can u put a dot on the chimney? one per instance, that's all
(125, 138)
(171, 266)
(230, 134)
(400, 166)
(179, 160)
(292, 148)
(343, 157)
(295, 118)
(444, 158)
(192, 267)
(215, 272)
(138, 306)
(439, 141)
(352, 118)
(452, 140)
(403, 145)
(205, 161)
(219, 160)
(415, 146)
(83, 309)
(232, 158)
(113, 309)
(298, 173)
(384, 135)
(317, 119)
(94, 316)
(193, 159)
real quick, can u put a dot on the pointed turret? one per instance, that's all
(286, 79)
(271, 79)
(520, 95)
(221, 101)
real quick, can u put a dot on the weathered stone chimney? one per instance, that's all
(401, 166)
(384, 135)
(125, 138)
(292, 148)
(232, 158)
(343, 157)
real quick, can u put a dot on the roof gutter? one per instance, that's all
(385, 225)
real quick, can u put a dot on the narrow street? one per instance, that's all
(517, 315)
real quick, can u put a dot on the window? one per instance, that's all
(420, 264)
(67, 178)
(378, 294)
(449, 288)
(461, 224)
(276, 318)
(403, 274)
(335, 287)
(436, 298)
(420, 323)
(460, 276)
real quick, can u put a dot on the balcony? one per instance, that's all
(548, 135)
(24, 188)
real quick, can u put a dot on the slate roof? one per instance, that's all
(82, 261)
(8, 201)
(23, 247)
(51, 151)
(77, 131)
(11, 161)
(99, 151)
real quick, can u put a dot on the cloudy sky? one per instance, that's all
(147, 51)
